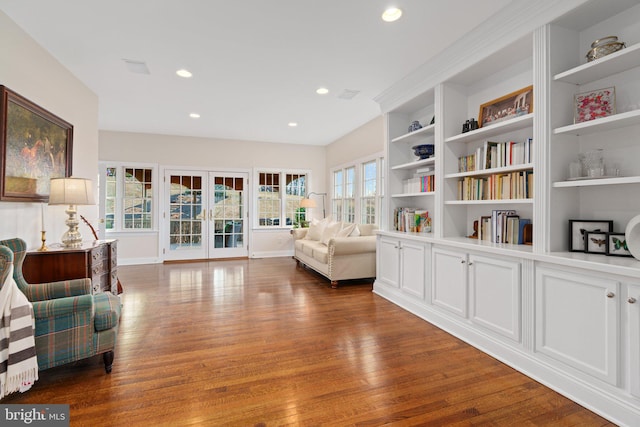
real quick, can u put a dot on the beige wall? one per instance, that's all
(169, 152)
(368, 139)
(29, 70)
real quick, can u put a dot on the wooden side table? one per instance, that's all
(96, 260)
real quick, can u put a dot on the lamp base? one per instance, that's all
(72, 239)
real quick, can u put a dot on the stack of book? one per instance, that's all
(411, 220)
(502, 226)
(499, 186)
(497, 155)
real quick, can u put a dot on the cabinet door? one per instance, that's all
(388, 262)
(412, 261)
(449, 280)
(494, 295)
(633, 319)
(577, 321)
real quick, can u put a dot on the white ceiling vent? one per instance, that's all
(348, 94)
(138, 67)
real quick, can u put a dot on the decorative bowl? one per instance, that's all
(423, 151)
(414, 126)
(603, 47)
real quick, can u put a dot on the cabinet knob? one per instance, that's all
(470, 263)
(461, 261)
(631, 300)
(611, 295)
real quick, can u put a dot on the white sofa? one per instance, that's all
(339, 251)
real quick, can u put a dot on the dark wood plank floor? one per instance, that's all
(259, 342)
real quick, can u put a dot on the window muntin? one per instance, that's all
(129, 197)
(278, 198)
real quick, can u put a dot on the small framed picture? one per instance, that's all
(578, 228)
(617, 245)
(594, 104)
(595, 242)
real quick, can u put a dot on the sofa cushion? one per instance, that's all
(321, 253)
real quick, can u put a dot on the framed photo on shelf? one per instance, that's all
(595, 242)
(506, 107)
(594, 104)
(35, 145)
(617, 245)
(578, 229)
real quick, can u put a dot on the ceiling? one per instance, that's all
(256, 64)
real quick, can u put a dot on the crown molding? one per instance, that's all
(515, 21)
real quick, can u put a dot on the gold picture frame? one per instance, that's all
(35, 146)
(506, 107)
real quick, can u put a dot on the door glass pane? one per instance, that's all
(185, 206)
(227, 212)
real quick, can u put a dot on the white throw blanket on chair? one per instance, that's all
(18, 361)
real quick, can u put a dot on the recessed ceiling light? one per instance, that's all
(184, 73)
(322, 91)
(391, 14)
(194, 115)
(292, 124)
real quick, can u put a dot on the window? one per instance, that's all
(357, 194)
(129, 197)
(368, 201)
(279, 195)
(349, 209)
(336, 199)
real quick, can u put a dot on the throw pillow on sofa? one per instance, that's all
(316, 228)
(330, 231)
(347, 230)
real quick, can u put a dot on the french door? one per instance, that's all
(205, 215)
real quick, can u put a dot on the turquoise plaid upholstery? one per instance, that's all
(71, 322)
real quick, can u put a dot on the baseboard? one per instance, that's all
(272, 254)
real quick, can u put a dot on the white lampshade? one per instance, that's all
(71, 191)
(308, 203)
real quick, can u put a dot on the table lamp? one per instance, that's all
(72, 192)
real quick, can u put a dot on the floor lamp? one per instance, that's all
(310, 203)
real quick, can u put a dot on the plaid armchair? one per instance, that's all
(71, 322)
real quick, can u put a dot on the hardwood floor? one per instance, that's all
(259, 342)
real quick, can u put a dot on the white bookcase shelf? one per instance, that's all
(487, 172)
(616, 121)
(617, 180)
(517, 123)
(419, 194)
(490, 202)
(416, 136)
(415, 164)
(614, 63)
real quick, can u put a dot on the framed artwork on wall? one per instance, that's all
(35, 146)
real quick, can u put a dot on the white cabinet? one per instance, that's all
(402, 264)
(632, 303)
(449, 280)
(412, 263)
(495, 288)
(388, 261)
(577, 321)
